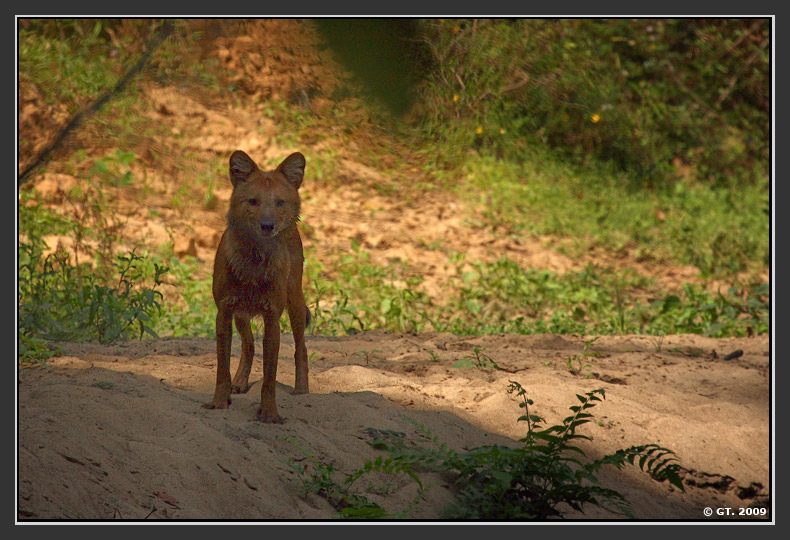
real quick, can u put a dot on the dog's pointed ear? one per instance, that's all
(241, 167)
(292, 168)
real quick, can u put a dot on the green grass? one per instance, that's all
(485, 298)
(70, 60)
(491, 298)
(75, 60)
(362, 295)
(720, 230)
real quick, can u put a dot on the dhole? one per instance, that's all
(258, 271)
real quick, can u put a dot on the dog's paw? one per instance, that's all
(216, 405)
(268, 417)
(240, 388)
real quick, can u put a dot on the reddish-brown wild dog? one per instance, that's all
(258, 271)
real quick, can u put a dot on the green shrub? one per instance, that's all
(741, 311)
(639, 93)
(317, 477)
(722, 230)
(61, 301)
(534, 480)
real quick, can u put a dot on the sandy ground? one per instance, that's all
(118, 432)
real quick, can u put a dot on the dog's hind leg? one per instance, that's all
(241, 381)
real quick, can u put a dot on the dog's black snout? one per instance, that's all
(267, 226)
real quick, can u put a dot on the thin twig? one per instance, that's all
(746, 34)
(516, 85)
(99, 103)
(740, 72)
(687, 90)
(458, 78)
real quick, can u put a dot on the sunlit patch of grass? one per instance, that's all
(722, 231)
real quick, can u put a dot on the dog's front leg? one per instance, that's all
(271, 349)
(224, 338)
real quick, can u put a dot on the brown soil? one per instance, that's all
(118, 431)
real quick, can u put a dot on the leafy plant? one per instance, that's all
(367, 355)
(535, 480)
(741, 311)
(58, 302)
(362, 295)
(327, 319)
(477, 360)
(575, 362)
(317, 477)
(33, 348)
(575, 366)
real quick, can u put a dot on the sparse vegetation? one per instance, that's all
(538, 149)
(575, 363)
(368, 355)
(61, 300)
(477, 360)
(540, 479)
(317, 477)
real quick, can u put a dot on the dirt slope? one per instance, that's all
(118, 432)
(376, 195)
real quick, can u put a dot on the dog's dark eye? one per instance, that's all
(253, 201)
(279, 202)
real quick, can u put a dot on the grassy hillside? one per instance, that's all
(636, 150)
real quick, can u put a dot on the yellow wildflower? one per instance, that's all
(501, 131)
(455, 97)
(456, 29)
(595, 117)
(479, 130)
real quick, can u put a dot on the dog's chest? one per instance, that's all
(257, 284)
